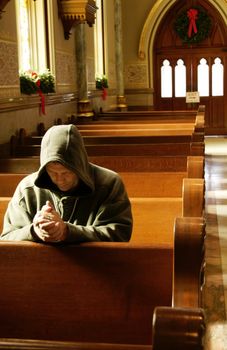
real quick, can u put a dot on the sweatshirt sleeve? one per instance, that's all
(17, 225)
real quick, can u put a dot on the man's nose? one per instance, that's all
(59, 178)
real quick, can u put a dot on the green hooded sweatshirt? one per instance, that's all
(97, 210)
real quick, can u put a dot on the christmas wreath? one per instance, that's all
(193, 25)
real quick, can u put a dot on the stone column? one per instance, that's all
(84, 105)
(121, 101)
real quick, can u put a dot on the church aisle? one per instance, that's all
(215, 291)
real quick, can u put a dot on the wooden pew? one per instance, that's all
(161, 123)
(8, 183)
(160, 191)
(179, 328)
(189, 138)
(25, 165)
(173, 328)
(19, 165)
(97, 146)
(196, 166)
(154, 184)
(137, 125)
(98, 292)
(126, 282)
(170, 115)
(152, 127)
(162, 176)
(144, 117)
(137, 130)
(31, 344)
(147, 212)
(4, 201)
(189, 261)
(154, 217)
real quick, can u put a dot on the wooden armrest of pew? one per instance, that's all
(189, 261)
(195, 166)
(200, 122)
(178, 328)
(193, 194)
(197, 148)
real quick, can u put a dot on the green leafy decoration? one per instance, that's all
(101, 82)
(31, 82)
(203, 24)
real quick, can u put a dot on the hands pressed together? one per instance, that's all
(48, 225)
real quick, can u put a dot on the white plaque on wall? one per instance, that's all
(192, 97)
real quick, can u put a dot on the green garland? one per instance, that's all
(203, 24)
(28, 82)
(101, 82)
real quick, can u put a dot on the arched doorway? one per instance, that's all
(181, 65)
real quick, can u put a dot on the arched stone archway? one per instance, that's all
(160, 42)
(154, 18)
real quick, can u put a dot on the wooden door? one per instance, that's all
(169, 50)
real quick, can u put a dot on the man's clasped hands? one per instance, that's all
(48, 225)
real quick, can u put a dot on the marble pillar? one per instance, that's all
(121, 101)
(84, 105)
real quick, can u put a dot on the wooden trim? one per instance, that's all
(24, 102)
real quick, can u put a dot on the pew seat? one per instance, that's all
(154, 217)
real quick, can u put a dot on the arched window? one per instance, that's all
(217, 78)
(180, 79)
(166, 79)
(203, 77)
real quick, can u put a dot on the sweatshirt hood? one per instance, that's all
(64, 144)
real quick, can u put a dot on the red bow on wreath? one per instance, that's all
(193, 16)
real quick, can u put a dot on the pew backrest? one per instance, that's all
(94, 292)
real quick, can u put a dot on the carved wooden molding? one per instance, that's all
(74, 12)
(2, 5)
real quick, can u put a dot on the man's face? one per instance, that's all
(64, 178)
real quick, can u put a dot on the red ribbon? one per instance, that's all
(42, 97)
(104, 93)
(193, 16)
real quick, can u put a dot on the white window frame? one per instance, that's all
(37, 36)
(99, 40)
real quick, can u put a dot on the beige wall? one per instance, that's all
(22, 111)
(9, 81)
(65, 63)
(18, 111)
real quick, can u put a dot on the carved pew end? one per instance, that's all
(178, 328)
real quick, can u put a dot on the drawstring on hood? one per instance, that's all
(64, 144)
